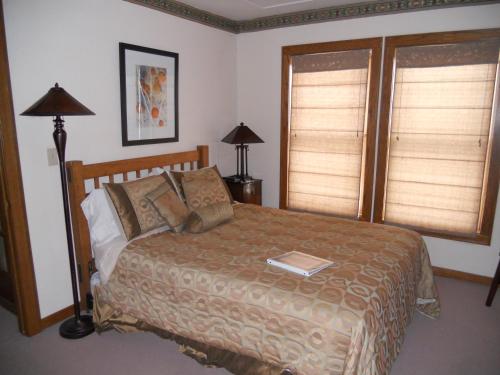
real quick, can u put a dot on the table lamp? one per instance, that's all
(241, 136)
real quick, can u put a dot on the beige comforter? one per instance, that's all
(217, 289)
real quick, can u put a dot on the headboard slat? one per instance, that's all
(78, 173)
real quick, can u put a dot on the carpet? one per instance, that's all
(465, 340)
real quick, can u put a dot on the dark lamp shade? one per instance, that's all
(242, 135)
(57, 102)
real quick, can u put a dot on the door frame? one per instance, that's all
(13, 209)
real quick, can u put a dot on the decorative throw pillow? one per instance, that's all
(175, 178)
(204, 187)
(170, 206)
(175, 181)
(137, 214)
(208, 217)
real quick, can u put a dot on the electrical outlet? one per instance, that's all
(52, 157)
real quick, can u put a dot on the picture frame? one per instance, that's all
(149, 91)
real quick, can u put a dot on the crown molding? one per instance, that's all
(336, 13)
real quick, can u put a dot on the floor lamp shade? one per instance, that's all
(58, 103)
(241, 136)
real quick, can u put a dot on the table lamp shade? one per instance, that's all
(57, 102)
(242, 135)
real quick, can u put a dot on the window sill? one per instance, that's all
(478, 239)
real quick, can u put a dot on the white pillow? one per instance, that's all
(102, 221)
(156, 171)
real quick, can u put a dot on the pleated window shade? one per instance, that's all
(327, 132)
(440, 136)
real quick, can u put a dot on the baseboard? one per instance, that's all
(56, 317)
(445, 272)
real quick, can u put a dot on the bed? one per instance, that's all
(215, 295)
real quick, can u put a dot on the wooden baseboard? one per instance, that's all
(445, 272)
(57, 317)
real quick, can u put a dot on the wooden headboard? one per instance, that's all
(92, 176)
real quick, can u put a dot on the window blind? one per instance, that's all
(327, 131)
(440, 135)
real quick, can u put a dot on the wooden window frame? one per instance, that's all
(391, 43)
(375, 44)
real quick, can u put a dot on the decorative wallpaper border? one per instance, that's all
(182, 10)
(372, 8)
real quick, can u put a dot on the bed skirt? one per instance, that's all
(106, 318)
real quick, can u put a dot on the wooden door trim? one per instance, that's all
(18, 251)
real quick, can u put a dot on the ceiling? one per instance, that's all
(240, 10)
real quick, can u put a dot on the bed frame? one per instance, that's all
(81, 175)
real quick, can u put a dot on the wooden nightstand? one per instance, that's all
(249, 191)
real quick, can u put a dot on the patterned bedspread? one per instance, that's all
(217, 289)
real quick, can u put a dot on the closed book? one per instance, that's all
(297, 262)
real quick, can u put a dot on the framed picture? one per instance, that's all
(149, 82)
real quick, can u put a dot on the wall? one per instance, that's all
(75, 43)
(259, 80)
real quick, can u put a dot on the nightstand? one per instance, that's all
(248, 191)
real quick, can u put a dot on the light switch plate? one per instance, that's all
(52, 157)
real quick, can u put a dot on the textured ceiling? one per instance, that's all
(249, 9)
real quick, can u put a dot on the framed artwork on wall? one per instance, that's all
(149, 82)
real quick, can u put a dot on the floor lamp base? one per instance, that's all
(76, 329)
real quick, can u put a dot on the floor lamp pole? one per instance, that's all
(77, 326)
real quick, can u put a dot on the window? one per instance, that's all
(438, 164)
(438, 144)
(328, 127)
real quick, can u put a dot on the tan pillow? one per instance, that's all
(170, 206)
(208, 217)
(204, 187)
(175, 179)
(137, 214)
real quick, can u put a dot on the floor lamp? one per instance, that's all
(58, 103)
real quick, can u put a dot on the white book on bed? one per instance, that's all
(297, 262)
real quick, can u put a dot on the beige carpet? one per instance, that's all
(464, 341)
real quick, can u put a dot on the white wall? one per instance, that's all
(259, 80)
(75, 43)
